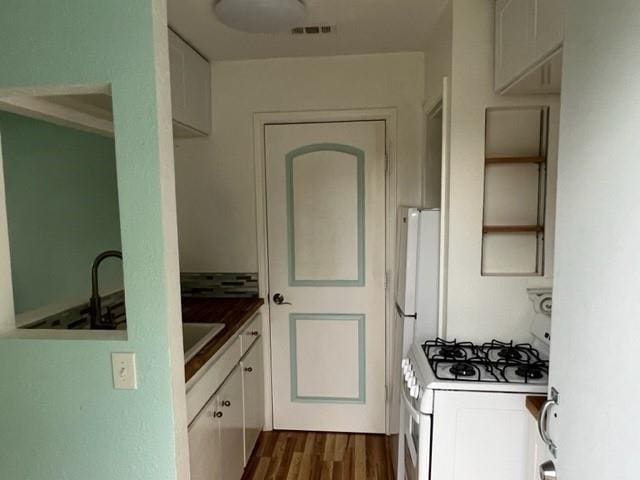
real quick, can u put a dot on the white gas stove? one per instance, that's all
(464, 414)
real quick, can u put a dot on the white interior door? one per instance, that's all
(326, 239)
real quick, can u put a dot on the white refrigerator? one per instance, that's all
(416, 298)
(417, 274)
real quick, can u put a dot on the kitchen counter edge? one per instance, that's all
(233, 318)
(534, 404)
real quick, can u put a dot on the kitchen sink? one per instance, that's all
(197, 335)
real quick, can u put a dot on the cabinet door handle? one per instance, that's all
(217, 414)
(226, 403)
(248, 369)
(253, 333)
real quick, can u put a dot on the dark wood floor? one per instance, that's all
(323, 456)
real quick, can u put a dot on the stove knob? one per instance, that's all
(415, 391)
(405, 363)
(413, 382)
(408, 375)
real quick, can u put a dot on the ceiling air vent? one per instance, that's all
(313, 30)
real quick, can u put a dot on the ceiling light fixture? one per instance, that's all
(261, 16)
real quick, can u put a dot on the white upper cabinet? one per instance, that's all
(190, 99)
(514, 38)
(549, 26)
(528, 37)
(190, 89)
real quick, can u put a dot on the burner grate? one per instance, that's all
(495, 361)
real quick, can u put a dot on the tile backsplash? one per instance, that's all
(209, 284)
(212, 284)
(79, 318)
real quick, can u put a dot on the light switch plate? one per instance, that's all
(124, 371)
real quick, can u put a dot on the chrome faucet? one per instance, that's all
(96, 303)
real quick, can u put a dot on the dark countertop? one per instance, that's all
(233, 312)
(534, 404)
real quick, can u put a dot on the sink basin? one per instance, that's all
(197, 335)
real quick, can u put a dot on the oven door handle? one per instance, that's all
(407, 403)
(542, 421)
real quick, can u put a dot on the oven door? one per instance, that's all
(416, 428)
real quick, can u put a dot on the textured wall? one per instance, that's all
(480, 308)
(437, 57)
(62, 209)
(60, 417)
(215, 176)
(595, 333)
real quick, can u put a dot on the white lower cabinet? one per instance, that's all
(465, 445)
(539, 453)
(205, 447)
(216, 436)
(230, 403)
(225, 430)
(253, 394)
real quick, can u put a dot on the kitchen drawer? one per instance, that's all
(250, 333)
(202, 387)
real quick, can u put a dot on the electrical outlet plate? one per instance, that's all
(124, 371)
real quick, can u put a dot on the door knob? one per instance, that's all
(279, 299)
(548, 471)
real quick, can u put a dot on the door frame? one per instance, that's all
(260, 121)
(442, 104)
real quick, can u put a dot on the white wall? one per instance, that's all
(215, 178)
(437, 66)
(480, 308)
(596, 302)
(437, 59)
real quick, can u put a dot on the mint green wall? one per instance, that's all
(62, 208)
(60, 417)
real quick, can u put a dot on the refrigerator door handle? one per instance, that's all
(402, 314)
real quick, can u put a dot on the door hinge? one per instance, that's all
(386, 280)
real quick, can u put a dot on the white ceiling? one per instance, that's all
(362, 26)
